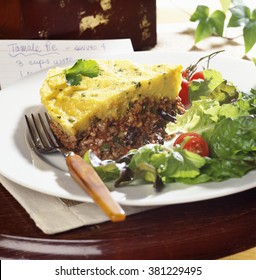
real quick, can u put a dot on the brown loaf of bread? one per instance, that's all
(80, 19)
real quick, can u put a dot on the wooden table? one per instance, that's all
(208, 229)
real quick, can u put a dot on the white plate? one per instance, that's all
(19, 163)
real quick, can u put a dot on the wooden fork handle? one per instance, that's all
(88, 179)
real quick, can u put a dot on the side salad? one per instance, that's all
(214, 140)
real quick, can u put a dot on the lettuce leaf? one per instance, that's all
(212, 87)
(202, 115)
(232, 137)
(169, 163)
(230, 131)
(157, 161)
(108, 170)
(205, 113)
(219, 169)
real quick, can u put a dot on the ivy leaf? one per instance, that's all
(214, 24)
(218, 20)
(208, 24)
(240, 16)
(201, 12)
(249, 33)
(204, 29)
(253, 16)
(225, 4)
(88, 68)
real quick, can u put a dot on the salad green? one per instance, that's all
(223, 115)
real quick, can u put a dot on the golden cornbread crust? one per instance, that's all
(125, 106)
(144, 123)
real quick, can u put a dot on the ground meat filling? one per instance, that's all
(144, 123)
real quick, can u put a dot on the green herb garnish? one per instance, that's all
(71, 120)
(88, 68)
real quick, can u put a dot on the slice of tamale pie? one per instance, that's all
(124, 107)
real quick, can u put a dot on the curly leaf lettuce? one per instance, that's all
(213, 86)
(230, 131)
(169, 163)
(233, 137)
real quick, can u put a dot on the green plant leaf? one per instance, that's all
(240, 16)
(225, 4)
(107, 169)
(249, 33)
(217, 19)
(204, 29)
(201, 12)
(232, 137)
(208, 25)
(237, 2)
(214, 24)
(253, 16)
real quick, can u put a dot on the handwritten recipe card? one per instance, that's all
(20, 58)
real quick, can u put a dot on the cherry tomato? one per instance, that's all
(185, 73)
(182, 136)
(193, 142)
(183, 94)
(197, 76)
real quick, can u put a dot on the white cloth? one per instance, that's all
(54, 215)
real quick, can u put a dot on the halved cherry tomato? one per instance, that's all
(183, 94)
(185, 73)
(182, 136)
(197, 76)
(193, 142)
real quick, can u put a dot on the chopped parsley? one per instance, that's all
(71, 120)
(88, 68)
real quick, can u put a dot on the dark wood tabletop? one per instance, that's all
(209, 229)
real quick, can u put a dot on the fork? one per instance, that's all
(83, 173)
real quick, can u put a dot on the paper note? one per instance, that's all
(20, 58)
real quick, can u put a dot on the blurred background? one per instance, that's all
(180, 10)
(96, 19)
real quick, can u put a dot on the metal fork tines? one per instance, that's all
(83, 173)
(42, 136)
